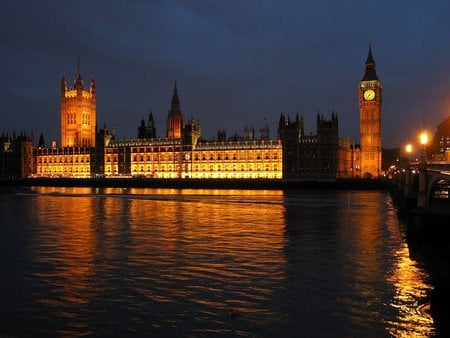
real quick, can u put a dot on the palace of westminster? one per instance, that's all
(87, 151)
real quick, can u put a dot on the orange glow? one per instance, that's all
(423, 138)
(409, 283)
(409, 148)
(98, 229)
(70, 242)
(227, 160)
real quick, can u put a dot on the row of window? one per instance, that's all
(205, 168)
(60, 169)
(64, 159)
(210, 157)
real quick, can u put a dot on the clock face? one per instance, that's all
(369, 94)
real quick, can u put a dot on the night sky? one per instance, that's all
(236, 63)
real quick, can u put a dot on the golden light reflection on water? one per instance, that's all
(411, 298)
(215, 250)
(220, 249)
(375, 227)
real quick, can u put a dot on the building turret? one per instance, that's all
(147, 131)
(41, 142)
(191, 132)
(92, 86)
(63, 85)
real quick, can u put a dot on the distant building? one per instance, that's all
(16, 156)
(439, 149)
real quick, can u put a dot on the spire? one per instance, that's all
(63, 84)
(370, 73)
(78, 83)
(175, 99)
(78, 67)
(92, 85)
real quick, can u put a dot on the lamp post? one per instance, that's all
(408, 180)
(408, 149)
(422, 196)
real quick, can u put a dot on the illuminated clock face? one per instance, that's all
(369, 94)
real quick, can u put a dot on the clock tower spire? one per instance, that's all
(370, 120)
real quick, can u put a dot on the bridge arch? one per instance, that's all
(438, 182)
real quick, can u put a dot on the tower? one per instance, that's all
(147, 131)
(174, 124)
(78, 113)
(327, 146)
(370, 95)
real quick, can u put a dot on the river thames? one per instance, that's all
(117, 262)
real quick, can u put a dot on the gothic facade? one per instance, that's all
(315, 156)
(181, 154)
(88, 152)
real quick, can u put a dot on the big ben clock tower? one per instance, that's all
(370, 95)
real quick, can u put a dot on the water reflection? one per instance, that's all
(188, 257)
(349, 267)
(170, 262)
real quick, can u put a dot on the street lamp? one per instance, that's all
(408, 179)
(422, 195)
(409, 149)
(423, 138)
(423, 141)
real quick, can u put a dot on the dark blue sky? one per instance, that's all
(236, 63)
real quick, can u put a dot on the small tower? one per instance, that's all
(327, 146)
(41, 142)
(174, 124)
(78, 113)
(147, 131)
(370, 95)
(191, 133)
(290, 134)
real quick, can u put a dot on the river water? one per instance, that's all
(194, 263)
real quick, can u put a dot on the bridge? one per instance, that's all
(424, 185)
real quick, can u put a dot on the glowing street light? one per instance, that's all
(409, 148)
(422, 194)
(423, 138)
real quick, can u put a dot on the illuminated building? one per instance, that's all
(370, 120)
(182, 153)
(440, 146)
(63, 162)
(78, 114)
(188, 157)
(321, 156)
